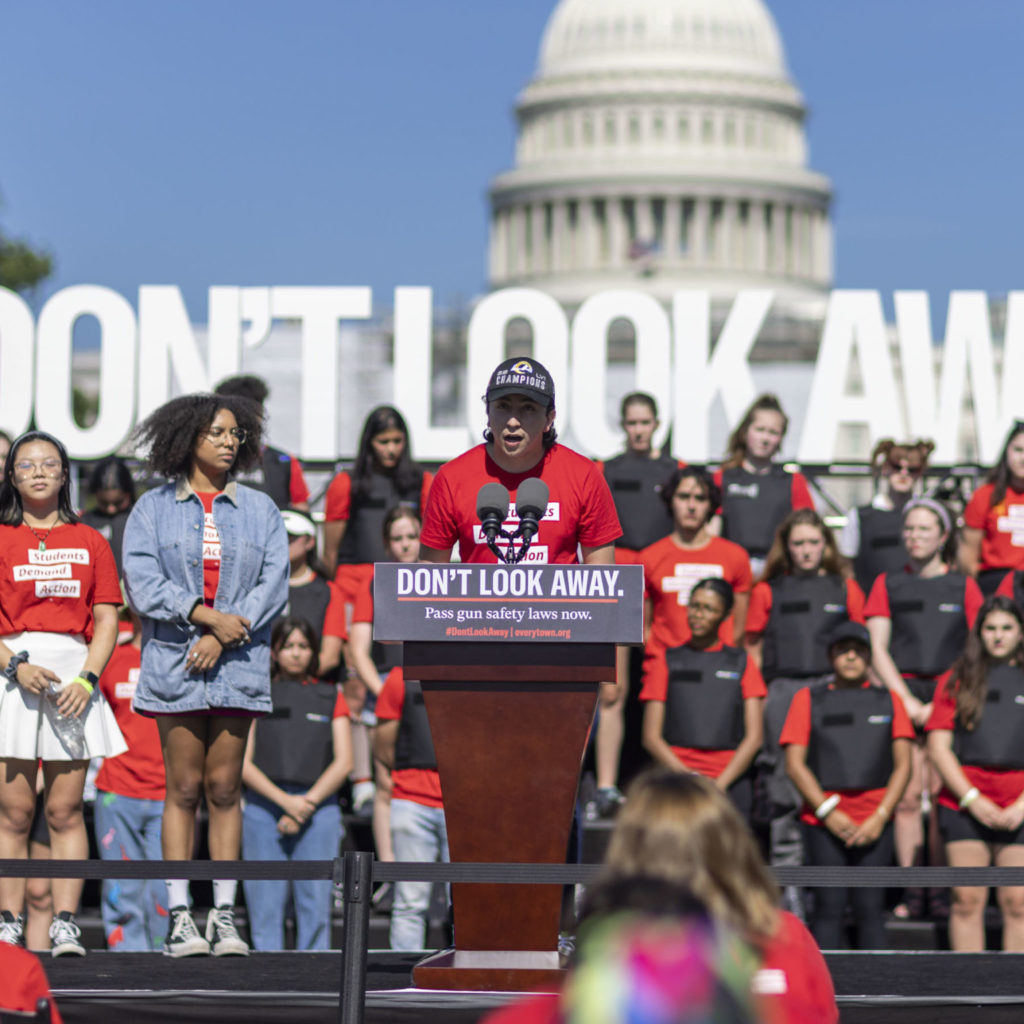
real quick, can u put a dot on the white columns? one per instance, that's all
(538, 254)
(586, 235)
(699, 231)
(617, 242)
(673, 220)
(560, 242)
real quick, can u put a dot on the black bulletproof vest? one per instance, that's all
(635, 484)
(294, 742)
(273, 476)
(704, 704)
(805, 609)
(997, 741)
(753, 505)
(881, 545)
(111, 528)
(310, 602)
(1018, 588)
(851, 738)
(929, 625)
(362, 542)
(414, 747)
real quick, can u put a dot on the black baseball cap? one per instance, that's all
(849, 631)
(521, 377)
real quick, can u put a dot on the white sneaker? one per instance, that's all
(12, 928)
(66, 936)
(183, 938)
(222, 935)
(362, 796)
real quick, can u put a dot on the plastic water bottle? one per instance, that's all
(69, 729)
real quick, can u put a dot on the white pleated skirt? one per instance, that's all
(25, 731)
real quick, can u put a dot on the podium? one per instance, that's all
(509, 659)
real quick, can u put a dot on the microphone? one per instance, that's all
(492, 502)
(531, 503)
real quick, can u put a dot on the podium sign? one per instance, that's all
(508, 603)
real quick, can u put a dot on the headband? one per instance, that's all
(933, 506)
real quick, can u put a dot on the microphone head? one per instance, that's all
(492, 499)
(532, 497)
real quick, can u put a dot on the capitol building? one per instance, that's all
(661, 145)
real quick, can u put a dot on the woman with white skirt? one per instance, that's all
(59, 594)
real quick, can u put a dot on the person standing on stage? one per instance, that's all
(520, 442)
(757, 492)
(278, 473)
(993, 536)
(873, 535)
(113, 490)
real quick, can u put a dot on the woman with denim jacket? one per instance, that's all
(206, 568)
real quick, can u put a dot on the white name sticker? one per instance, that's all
(685, 576)
(58, 588)
(60, 571)
(80, 556)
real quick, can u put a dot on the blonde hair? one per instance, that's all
(681, 828)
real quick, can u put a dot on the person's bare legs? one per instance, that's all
(38, 902)
(183, 740)
(382, 813)
(65, 784)
(1011, 899)
(967, 909)
(222, 783)
(17, 808)
(611, 723)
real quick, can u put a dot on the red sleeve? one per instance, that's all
(943, 714)
(339, 499)
(978, 507)
(854, 601)
(800, 493)
(760, 608)
(752, 683)
(108, 584)
(599, 464)
(392, 696)
(877, 606)
(428, 479)
(797, 727)
(1005, 587)
(974, 599)
(341, 706)
(362, 607)
(810, 994)
(902, 727)
(440, 527)
(655, 674)
(24, 982)
(717, 477)
(334, 617)
(298, 492)
(647, 561)
(742, 578)
(599, 521)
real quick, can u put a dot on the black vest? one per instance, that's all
(851, 738)
(363, 542)
(997, 741)
(1018, 588)
(294, 742)
(704, 703)
(111, 528)
(273, 476)
(805, 609)
(753, 505)
(414, 747)
(929, 624)
(310, 602)
(881, 545)
(635, 483)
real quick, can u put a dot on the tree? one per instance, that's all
(21, 266)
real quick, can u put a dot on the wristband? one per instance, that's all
(826, 807)
(969, 797)
(882, 811)
(84, 683)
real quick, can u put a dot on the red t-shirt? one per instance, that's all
(139, 771)
(799, 492)
(334, 617)
(338, 506)
(857, 804)
(670, 573)
(1005, 587)
(580, 507)
(1002, 542)
(211, 551)
(298, 491)
(704, 761)
(760, 608)
(420, 785)
(1001, 785)
(23, 981)
(362, 608)
(53, 591)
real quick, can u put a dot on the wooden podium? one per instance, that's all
(510, 722)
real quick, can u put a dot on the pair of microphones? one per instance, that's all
(492, 503)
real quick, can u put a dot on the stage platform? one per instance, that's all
(109, 988)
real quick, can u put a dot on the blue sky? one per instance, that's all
(257, 143)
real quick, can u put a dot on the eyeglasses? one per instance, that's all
(903, 467)
(218, 435)
(50, 467)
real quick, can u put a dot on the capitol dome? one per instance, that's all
(661, 146)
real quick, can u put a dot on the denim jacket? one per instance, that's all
(163, 572)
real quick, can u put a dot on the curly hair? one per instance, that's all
(169, 435)
(245, 385)
(11, 511)
(778, 562)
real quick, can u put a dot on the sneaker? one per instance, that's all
(12, 929)
(607, 801)
(183, 938)
(362, 797)
(66, 936)
(222, 935)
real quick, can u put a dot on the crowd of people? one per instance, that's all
(853, 697)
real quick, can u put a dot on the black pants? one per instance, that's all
(822, 849)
